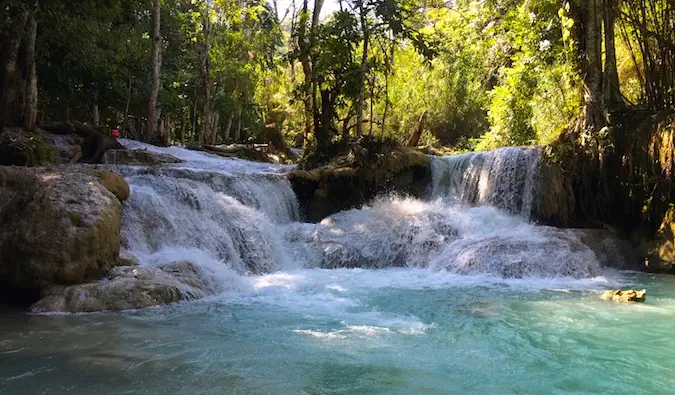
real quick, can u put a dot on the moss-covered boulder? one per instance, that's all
(137, 157)
(21, 148)
(352, 179)
(58, 225)
(128, 287)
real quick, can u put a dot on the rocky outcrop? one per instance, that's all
(137, 157)
(128, 287)
(55, 144)
(624, 296)
(352, 180)
(660, 252)
(58, 226)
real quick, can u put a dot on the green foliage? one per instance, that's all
(471, 74)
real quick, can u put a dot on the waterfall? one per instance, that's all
(506, 178)
(243, 216)
(226, 210)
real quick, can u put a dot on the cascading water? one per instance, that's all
(506, 178)
(459, 293)
(244, 216)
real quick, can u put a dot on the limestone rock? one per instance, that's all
(128, 288)
(352, 180)
(660, 254)
(137, 157)
(57, 226)
(624, 296)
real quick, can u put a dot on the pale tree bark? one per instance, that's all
(214, 128)
(151, 129)
(237, 131)
(228, 127)
(594, 106)
(96, 112)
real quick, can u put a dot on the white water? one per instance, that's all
(506, 178)
(234, 216)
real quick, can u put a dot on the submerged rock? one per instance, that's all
(127, 287)
(624, 296)
(58, 225)
(137, 157)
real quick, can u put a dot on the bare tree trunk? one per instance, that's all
(414, 139)
(11, 82)
(125, 121)
(206, 79)
(181, 133)
(96, 112)
(594, 107)
(156, 70)
(237, 131)
(228, 127)
(31, 88)
(364, 69)
(610, 84)
(214, 129)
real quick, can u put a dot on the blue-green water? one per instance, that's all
(394, 331)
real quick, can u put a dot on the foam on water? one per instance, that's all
(244, 217)
(507, 178)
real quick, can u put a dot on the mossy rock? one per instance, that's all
(19, 148)
(352, 179)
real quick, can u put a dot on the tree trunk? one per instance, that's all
(611, 92)
(228, 127)
(594, 106)
(414, 139)
(31, 88)
(125, 121)
(12, 84)
(156, 70)
(214, 128)
(96, 112)
(181, 133)
(206, 80)
(237, 131)
(363, 70)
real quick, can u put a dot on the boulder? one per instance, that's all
(356, 178)
(128, 287)
(137, 157)
(618, 295)
(660, 252)
(58, 225)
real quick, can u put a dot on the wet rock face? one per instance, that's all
(128, 287)
(348, 182)
(58, 225)
(660, 252)
(137, 157)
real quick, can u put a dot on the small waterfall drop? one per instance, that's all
(208, 208)
(506, 178)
